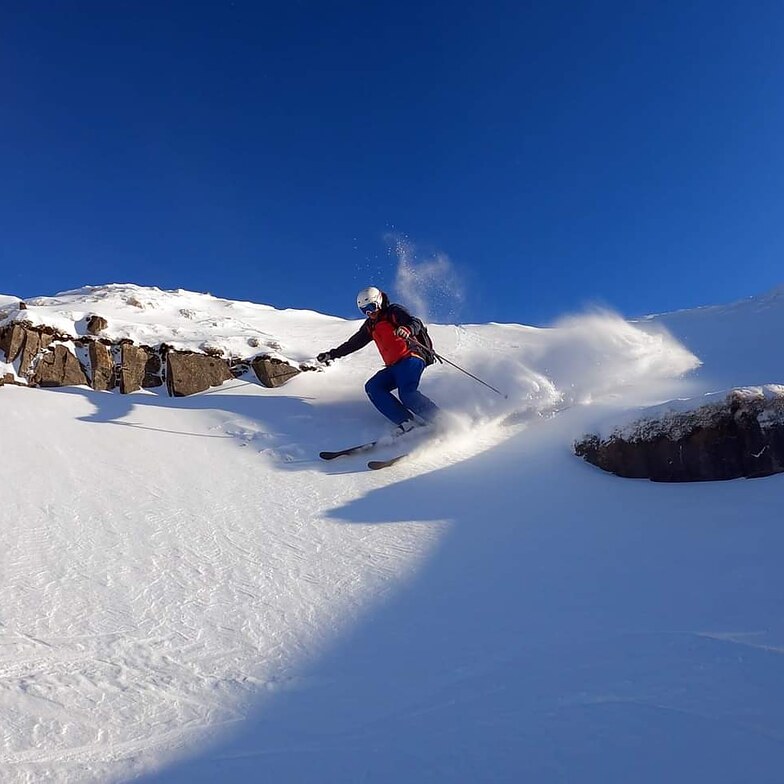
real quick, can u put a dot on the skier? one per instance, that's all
(398, 336)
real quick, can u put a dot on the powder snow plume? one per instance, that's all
(583, 358)
(431, 287)
(595, 354)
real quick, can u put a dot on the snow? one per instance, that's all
(188, 594)
(187, 321)
(737, 343)
(677, 417)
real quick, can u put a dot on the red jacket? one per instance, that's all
(382, 330)
(391, 347)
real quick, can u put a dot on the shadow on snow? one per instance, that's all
(288, 428)
(568, 627)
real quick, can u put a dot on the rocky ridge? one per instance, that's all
(39, 352)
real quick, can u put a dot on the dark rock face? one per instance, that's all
(189, 373)
(102, 366)
(153, 370)
(96, 324)
(34, 343)
(273, 372)
(21, 340)
(742, 436)
(132, 367)
(133, 364)
(58, 367)
(10, 342)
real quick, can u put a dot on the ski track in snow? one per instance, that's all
(170, 568)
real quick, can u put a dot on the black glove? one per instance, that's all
(325, 357)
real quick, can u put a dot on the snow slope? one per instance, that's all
(189, 594)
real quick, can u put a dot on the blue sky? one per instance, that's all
(559, 154)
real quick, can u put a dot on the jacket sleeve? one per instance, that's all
(357, 341)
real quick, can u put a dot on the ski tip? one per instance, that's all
(352, 450)
(375, 465)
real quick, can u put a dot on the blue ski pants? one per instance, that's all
(403, 376)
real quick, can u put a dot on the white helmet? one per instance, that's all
(370, 300)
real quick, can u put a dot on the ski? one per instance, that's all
(352, 450)
(375, 465)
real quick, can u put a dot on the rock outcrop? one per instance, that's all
(34, 343)
(58, 367)
(273, 372)
(96, 324)
(103, 373)
(22, 340)
(12, 341)
(42, 357)
(741, 434)
(188, 373)
(140, 367)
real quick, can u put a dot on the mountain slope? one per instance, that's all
(189, 593)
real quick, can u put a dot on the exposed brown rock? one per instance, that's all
(103, 374)
(34, 343)
(742, 437)
(133, 364)
(58, 367)
(138, 366)
(190, 373)
(5, 339)
(273, 372)
(21, 339)
(12, 341)
(96, 324)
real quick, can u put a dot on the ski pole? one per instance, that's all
(449, 362)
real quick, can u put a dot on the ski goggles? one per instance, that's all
(371, 307)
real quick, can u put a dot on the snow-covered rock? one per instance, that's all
(191, 342)
(727, 435)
